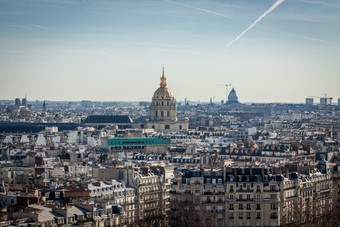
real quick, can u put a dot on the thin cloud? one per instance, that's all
(276, 4)
(200, 9)
(294, 35)
(106, 54)
(321, 3)
(307, 38)
(41, 27)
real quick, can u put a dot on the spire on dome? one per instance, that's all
(163, 79)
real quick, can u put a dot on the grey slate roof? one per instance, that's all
(108, 119)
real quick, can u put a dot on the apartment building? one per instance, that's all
(245, 196)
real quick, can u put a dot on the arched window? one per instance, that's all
(162, 103)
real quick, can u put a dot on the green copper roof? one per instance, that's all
(137, 141)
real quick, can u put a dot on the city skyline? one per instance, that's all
(270, 51)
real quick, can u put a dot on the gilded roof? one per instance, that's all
(163, 93)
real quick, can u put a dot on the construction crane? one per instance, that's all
(326, 101)
(226, 86)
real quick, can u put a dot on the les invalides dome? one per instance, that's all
(163, 111)
(163, 106)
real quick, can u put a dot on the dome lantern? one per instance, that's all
(163, 79)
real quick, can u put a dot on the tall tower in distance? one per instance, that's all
(24, 101)
(17, 102)
(44, 106)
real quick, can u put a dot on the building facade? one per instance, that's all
(243, 196)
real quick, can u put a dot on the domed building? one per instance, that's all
(163, 106)
(163, 111)
(232, 97)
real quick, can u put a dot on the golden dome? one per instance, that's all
(163, 92)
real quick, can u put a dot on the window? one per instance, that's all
(231, 207)
(231, 215)
(167, 103)
(248, 215)
(248, 206)
(180, 127)
(240, 215)
(162, 103)
(258, 215)
(258, 206)
(248, 197)
(231, 189)
(258, 189)
(168, 113)
(240, 206)
(273, 206)
(272, 188)
(153, 126)
(167, 127)
(162, 113)
(156, 113)
(273, 215)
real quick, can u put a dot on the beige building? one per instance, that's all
(163, 111)
(152, 185)
(243, 196)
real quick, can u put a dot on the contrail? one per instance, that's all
(276, 4)
(39, 26)
(200, 9)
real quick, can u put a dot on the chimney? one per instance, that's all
(306, 145)
(295, 146)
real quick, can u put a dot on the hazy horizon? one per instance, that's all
(271, 51)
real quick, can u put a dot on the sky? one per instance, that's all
(114, 50)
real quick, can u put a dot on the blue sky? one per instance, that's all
(115, 50)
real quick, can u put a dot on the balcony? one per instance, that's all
(245, 190)
(244, 199)
(271, 190)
